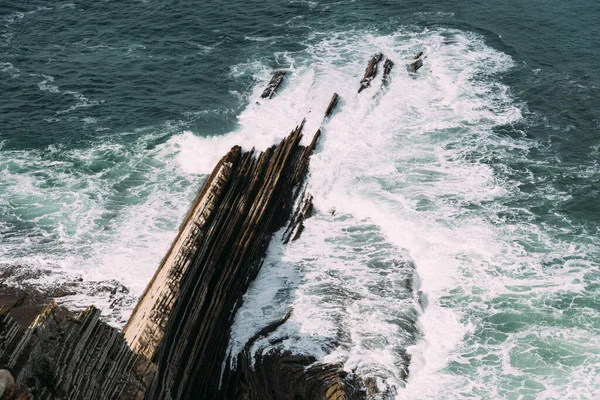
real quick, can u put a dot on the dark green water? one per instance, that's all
(484, 170)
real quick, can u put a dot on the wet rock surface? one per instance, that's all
(387, 70)
(416, 65)
(273, 85)
(370, 72)
(37, 287)
(332, 104)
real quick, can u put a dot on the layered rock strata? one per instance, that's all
(71, 358)
(257, 200)
(145, 328)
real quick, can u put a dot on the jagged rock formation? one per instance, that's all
(71, 358)
(303, 212)
(274, 83)
(370, 72)
(256, 201)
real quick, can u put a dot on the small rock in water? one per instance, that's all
(274, 83)
(387, 70)
(414, 67)
(370, 72)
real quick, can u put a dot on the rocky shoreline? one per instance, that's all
(174, 346)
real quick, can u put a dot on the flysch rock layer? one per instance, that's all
(74, 358)
(147, 324)
(256, 201)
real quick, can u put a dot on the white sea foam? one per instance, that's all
(104, 213)
(10, 69)
(47, 84)
(391, 160)
(411, 160)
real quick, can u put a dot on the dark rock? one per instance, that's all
(274, 83)
(416, 65)
(25, 305)
(370, 72)
(387, 69)
(256, 200)
(281, 374)
(72, 358)
(296, 226)
(332, 104)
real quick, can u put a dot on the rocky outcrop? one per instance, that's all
(175, 344)
(77, 357)
(145, 328)
(273, 85)
(370, 72)
(257, 200)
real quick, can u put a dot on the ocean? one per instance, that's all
(473, 186)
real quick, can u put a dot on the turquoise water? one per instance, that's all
(483, 172)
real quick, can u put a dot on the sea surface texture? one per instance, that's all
(481, 172)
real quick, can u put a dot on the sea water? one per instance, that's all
(464, 197)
